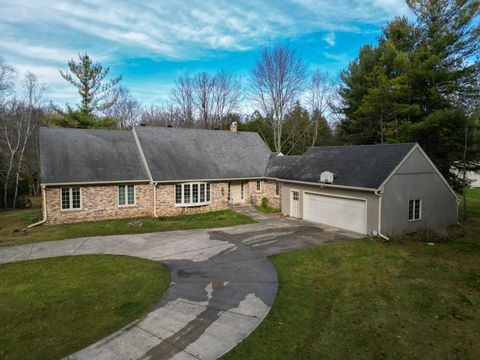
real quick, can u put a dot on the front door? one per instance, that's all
(295, 203)
(237, 192)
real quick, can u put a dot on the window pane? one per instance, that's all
(410, 210)
(229, 192)
(76, 198)
(178, 194)
(186, 193)
(121, 195)
(258, 185)
(277, 188)
(208, 192)
(195, 193)
(65, 198)
(131, 194)
(417, 209)
(241, 191)
(202, 192)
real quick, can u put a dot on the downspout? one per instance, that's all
(44, 208)
(154, 199)
(379, 193)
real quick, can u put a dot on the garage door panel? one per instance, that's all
(336, 211)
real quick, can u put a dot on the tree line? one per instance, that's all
(419, 83)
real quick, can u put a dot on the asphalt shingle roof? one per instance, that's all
(364, 166)
(81, 155)
(87, 155)
(188, 154)
(278, 164)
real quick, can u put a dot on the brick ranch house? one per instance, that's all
(89, 175)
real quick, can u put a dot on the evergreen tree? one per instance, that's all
(91, 81)
(408, 87)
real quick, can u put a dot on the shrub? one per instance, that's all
(264, 202)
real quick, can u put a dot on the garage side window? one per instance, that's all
(70, 198)
(414, 209)
(126, 195)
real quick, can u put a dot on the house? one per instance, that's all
(151, 171)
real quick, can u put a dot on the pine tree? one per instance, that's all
(91, 81)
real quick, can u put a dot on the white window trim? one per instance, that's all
(419, 210)
(70, 196)
(192, 204)
(279, 189)
(126, 196)
(258, 182)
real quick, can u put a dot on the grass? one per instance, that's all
(364, 299)
(50, 308)
(11, 223)
(267, 209)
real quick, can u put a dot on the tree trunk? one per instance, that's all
(464, 171)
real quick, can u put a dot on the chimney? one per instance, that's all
(233, 127)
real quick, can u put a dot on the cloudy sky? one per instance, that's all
(151, 42)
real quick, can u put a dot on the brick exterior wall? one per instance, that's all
(267, 189)
(98, 203)
(166, 200)
(101, 202)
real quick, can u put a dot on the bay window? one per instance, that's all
(192, 194)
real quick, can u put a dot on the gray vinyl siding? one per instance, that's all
(370, 197)
(417, 179)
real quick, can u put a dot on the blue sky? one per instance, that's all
(151, 42)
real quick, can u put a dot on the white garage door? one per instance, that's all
(336, 211)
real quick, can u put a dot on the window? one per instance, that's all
(70, 198)
(192, 194)
(229, 192)
(295, 195)
(277, 188)
(414, 209)
(126, 195)
(259, 185)
(178, 194)
(241, 191)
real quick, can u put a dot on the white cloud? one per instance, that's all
(43, 35)
(330, 39)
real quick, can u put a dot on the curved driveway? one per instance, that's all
(222, 284)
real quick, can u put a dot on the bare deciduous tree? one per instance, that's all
(277, 80)
(125, 109)
(321, 92)
(206, 99)
(182, 95)
(164, 116)
(18, 120)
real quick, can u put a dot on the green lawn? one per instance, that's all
(364, 299)
(50, 308)
(11, 223)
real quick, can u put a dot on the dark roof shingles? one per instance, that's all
(87, 155)
(194, 154)
(365, 166)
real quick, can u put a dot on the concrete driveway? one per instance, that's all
(222, 284)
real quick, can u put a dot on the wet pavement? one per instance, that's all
(222, 286)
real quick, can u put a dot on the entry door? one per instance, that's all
(237, 192)
(295, 203)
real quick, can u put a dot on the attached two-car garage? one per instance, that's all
(342, 212)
